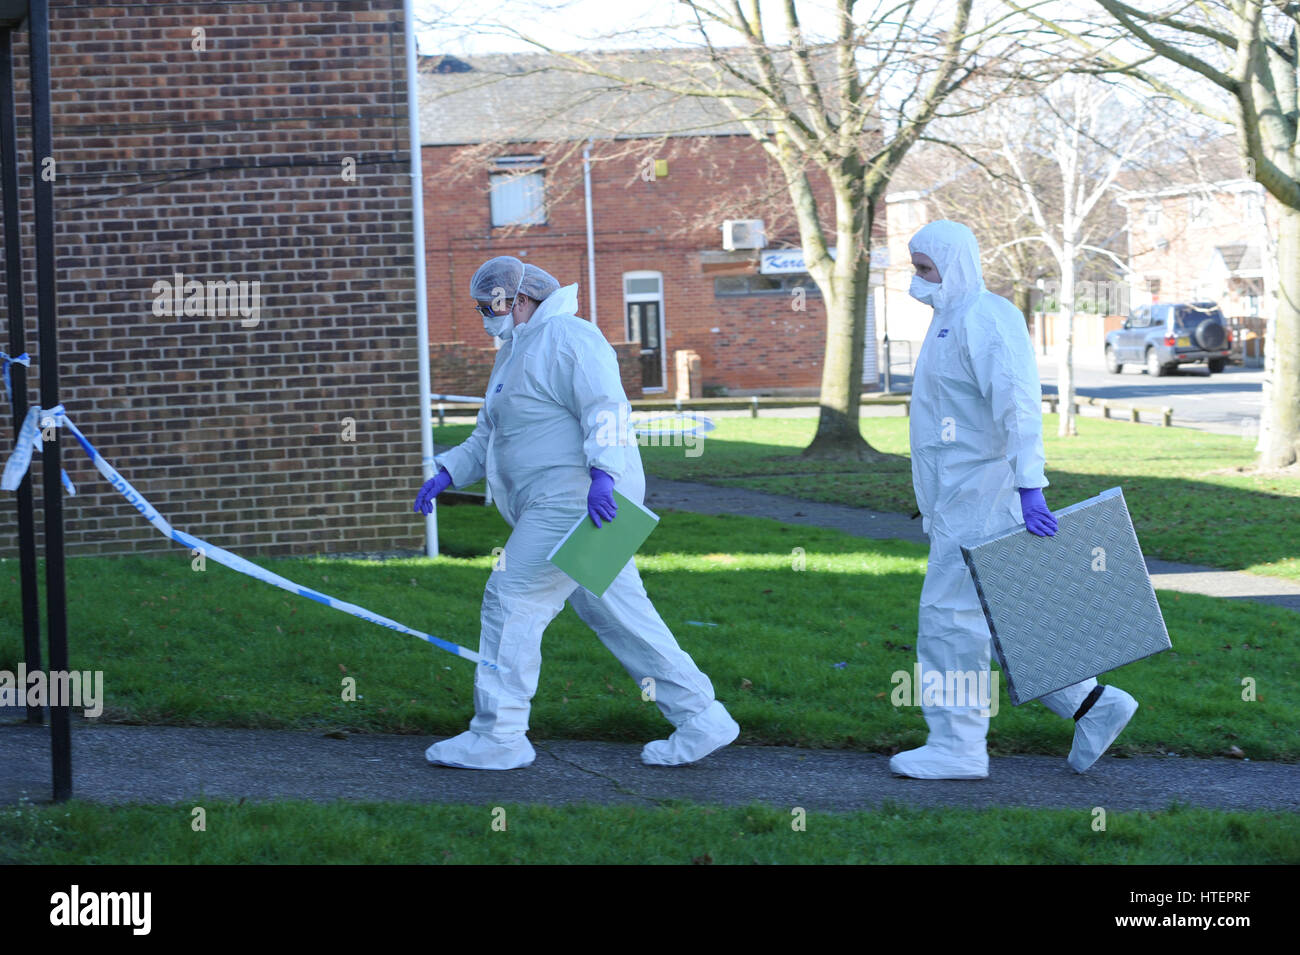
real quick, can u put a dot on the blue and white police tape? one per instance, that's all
(25, 361)
(6, 361)
(29, 440)
(19, 462)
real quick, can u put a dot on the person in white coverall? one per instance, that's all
(553, 440)
(977, 468)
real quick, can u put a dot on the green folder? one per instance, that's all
(593, 556)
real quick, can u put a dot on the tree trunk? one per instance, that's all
(844, 291)
(839, 433)
(1023, 298)
(1280, 429)
(1065, 372)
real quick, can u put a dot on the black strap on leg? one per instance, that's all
(1086, 705)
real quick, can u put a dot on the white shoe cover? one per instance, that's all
(699, 736)
(1097, 729)
(933, 762)
(472, 750)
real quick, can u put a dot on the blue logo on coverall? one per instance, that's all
(943, 333)
(498, 391)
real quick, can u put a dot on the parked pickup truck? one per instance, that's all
(1164, 335)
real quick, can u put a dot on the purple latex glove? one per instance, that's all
(600, 499)
(1038, 519)
(432, 488)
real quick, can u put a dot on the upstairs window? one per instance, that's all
(517, 191)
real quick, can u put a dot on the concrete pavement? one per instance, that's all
(156, 764)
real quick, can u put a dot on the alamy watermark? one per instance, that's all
(214, 299)
(82, 689)
(613, 430)
(1104, 298)
(956, 688)
(77, 907)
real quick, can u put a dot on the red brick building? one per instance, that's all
(260, 142)
(504, 175)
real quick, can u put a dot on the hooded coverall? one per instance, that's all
(555, 408)
(976, 437)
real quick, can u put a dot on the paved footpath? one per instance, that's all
(156, 764)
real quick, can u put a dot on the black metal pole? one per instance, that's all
(56, 610)
(18, 373)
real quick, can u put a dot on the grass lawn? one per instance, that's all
(801, 657)
(1189, 492)
(290, 833)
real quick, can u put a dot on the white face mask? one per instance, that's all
(503, 326)
(923, 291)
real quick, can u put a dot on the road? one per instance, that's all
(1226, 403)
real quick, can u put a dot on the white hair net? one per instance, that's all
(501, 278)
(955, 252)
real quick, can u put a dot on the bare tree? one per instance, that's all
(845, 108)
(1090, 135)
(973, 191)
(1246, 51)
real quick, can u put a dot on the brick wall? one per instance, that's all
(747, 343)
(1178, 249)
(227, 164)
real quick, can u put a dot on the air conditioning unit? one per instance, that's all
(743, 234)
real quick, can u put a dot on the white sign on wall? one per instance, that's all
(783, 261)
(787, 261)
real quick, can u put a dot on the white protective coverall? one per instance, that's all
(555, 409)
(976, 436)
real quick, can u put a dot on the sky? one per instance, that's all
(460, 26)
(585, 24)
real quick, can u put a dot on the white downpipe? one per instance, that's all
(591, 233)
(421, 291)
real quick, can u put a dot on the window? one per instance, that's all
(1249, 204)
(517, 191)
(1198, 207)
(727, 285)
(1189, 316)
(1153, 214)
